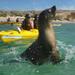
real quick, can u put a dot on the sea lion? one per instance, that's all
(45, 46)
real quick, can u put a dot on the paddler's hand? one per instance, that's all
(19, 29)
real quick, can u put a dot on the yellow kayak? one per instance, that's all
(11, 23)
(13, 35)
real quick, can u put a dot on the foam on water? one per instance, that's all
(68, 51)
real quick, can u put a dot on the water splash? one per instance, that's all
(67, 51)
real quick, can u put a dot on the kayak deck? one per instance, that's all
(12, 35)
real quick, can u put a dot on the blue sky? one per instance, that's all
(36, 4)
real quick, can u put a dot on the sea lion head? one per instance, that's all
(46, 16)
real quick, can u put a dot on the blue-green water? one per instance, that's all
(65, 36)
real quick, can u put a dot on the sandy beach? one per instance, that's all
(12, 19)
(63, 21)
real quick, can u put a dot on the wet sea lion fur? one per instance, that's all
(45, 46)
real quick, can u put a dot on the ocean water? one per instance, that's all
(65, 37)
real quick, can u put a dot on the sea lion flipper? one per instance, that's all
(32, 53)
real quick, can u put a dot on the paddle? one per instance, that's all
(19, 29)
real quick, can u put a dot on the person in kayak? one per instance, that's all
(27, 23)
(36, 21)
(8, 20)
(17, 20)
